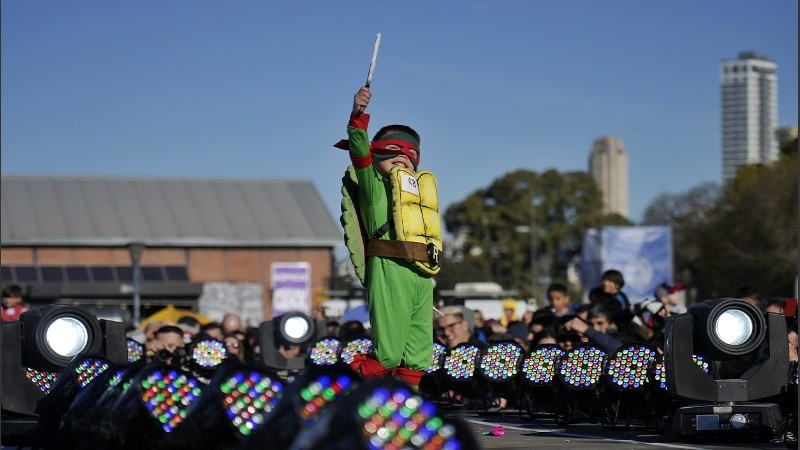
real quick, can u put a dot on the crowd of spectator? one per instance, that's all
(608, 320)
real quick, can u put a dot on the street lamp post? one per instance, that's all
(533, 231)
(534, 235)
(136, 249)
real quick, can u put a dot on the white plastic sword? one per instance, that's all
(374, 59)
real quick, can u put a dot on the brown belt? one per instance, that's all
(416, 251)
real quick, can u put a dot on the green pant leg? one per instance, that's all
(401, 314)
(419, 345)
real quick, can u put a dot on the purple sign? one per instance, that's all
(291, 288)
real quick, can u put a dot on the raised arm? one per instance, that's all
(361, 100)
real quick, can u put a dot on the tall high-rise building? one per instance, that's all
(749, 112)
(608, 165)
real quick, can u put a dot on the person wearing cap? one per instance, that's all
(397, 209)
(671, 296)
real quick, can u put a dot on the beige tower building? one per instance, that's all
(608, 165)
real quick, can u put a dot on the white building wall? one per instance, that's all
(749, 112)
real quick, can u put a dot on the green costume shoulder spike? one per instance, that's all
(354, 234)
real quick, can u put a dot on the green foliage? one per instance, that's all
(752, 239)
(689, 215)
(745, 234)
(492, 226)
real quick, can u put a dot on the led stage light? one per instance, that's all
(69, 434)
(357, 346)
(582, 367)
(629, 367)
(726, 330)
(460, 371)
(430, 385)
(540, 390)
(75, 377)
(233, 406)
(135, 350)
(155, 403)
(36, 349)
(326, 351)
(205, 355)
(500, 367)
(384, 414)
(580, 373)
(293, 328)
(628, 374)
(305, 401)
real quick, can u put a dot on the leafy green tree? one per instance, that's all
(689, 215)
(493, 227)
(752, 239)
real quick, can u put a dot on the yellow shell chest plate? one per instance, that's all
(415, 211)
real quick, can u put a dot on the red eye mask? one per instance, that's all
(408, 149)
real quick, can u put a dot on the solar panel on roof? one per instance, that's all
(25, 274)
(102, 274)
(124, 274)
(77, 274)
(5, 274)
(176, 273)
(152, 273)
(52, 274)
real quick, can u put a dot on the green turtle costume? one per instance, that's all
(393, 232)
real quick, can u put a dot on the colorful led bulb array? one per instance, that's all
(41, 378)
(358, 346)
(321, 393)
(209, 353)
(629, 367)
(326, 351)
(167, 394)
(459, 364)
(540, 366)
(397, 419)
(436, 361)
(582, 367)
(660, 374)
(660, 370)
(116, 377)
(88, 370)
(500, 362)
(701, 362)
(135, 350)
(247, 398)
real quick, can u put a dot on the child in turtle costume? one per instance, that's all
(390, 215)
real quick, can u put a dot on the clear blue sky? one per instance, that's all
(262, 89)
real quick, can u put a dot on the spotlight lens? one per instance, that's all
(67, 336)
(296, 327)
(734, 327)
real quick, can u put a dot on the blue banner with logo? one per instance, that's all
(642, 254)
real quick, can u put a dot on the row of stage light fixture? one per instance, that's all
(633, 384)
(118, 398)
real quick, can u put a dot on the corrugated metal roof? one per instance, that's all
(110, 211)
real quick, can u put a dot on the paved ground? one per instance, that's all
(524, 433)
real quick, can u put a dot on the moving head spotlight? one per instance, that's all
(723, 331)
(290, 329)
(36, 349)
